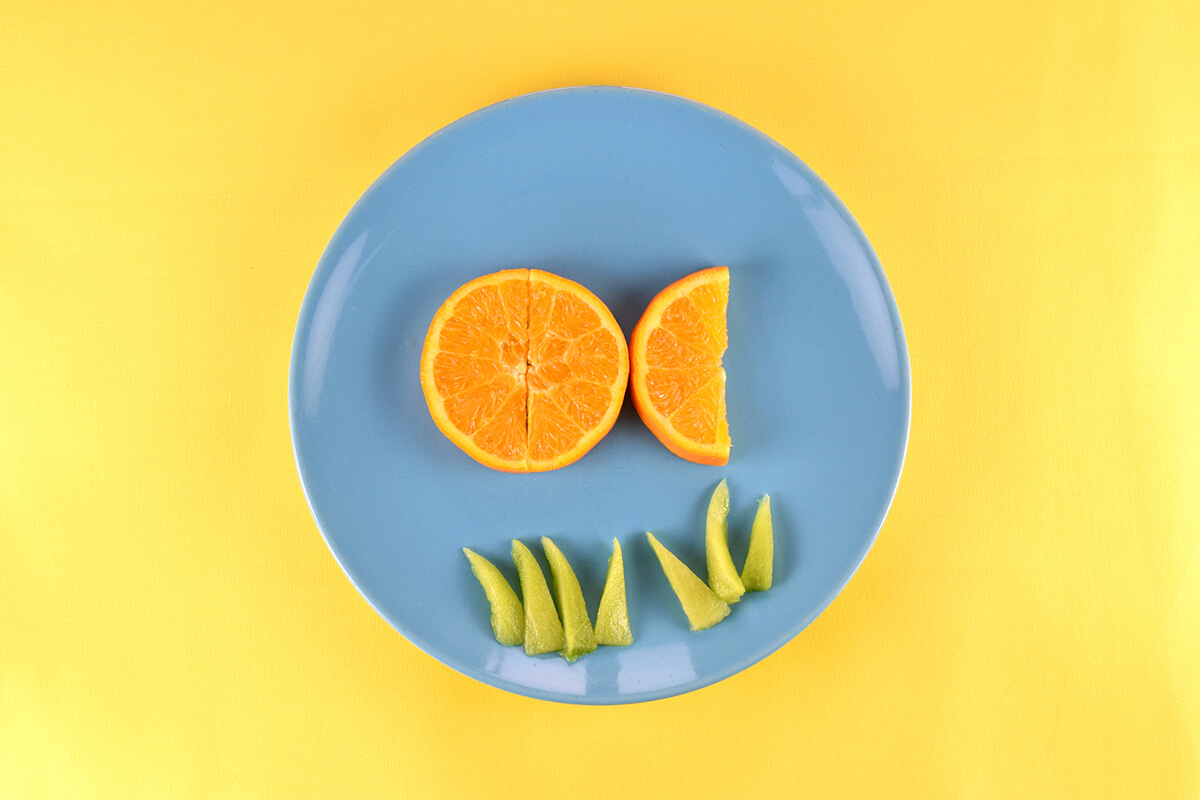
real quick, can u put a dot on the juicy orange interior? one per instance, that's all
(525, 368)
(479, 370)
(684, 378)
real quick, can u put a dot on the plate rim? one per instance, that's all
(319, 280)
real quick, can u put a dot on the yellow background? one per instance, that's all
(171, 624)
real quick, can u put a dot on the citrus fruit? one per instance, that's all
(675, 366)
(523, 370)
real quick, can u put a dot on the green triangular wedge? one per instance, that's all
(578, 636)
(760, 560)
(543, 631)
(703, 608)
(612, 620)
(722, 575)
(508, 620)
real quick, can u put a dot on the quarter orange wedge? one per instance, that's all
(677, 380)
(524, 370)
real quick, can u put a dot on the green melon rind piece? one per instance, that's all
(612, 619)
(758, 569)
(702, 606)
(722, 574)
(543, 630)
(508, 618)
(578, 637)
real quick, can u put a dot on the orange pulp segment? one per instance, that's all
(676, 374)
(524, 370)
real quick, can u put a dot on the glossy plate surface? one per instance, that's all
(624, 191)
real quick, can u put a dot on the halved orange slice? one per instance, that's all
(524, 370)
(676, 375)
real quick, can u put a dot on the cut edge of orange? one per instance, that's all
(617, 389)
(716, 453)
(433, 398)
(436, 404)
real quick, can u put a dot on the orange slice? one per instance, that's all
(676, 375)
(523, 370)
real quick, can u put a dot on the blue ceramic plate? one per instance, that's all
(624, 191)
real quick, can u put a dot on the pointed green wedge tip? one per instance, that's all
(702, 606)
(578, 636)
(760, 560)
(612, 620)
(722, 575)
(543, 630)
(508, 619)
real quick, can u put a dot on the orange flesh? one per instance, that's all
(678, 382)
(524, 370)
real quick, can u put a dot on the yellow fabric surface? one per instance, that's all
(1028, 624)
